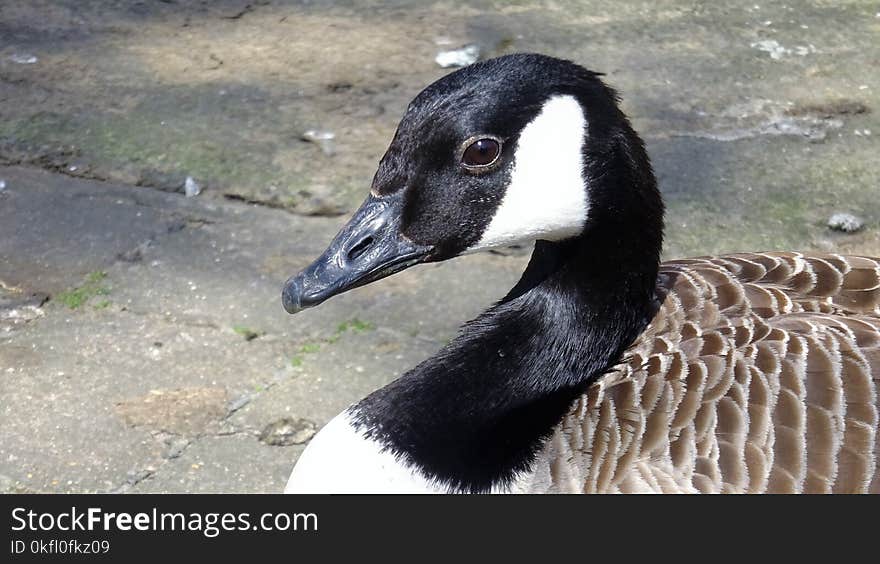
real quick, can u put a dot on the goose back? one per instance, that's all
(757, 374)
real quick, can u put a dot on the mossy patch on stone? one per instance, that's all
(247, 333)
(93, 286)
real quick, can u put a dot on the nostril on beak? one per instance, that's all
(360, 248)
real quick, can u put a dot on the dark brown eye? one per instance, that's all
(481, 153)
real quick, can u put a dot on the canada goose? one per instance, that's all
(602, 370)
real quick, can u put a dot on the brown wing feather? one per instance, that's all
(758, 374)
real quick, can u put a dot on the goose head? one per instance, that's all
(511, 150)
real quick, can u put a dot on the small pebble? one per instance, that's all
(287, 431)
(318, 135)
(2, 185)
(845, 222)
(462, 57)
(23, 58)
(191, 188)
(323, 139)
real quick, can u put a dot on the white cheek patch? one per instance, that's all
(546, 197)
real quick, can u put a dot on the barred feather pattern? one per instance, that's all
(758, 374)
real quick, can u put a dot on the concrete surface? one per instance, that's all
(142, 342)
(164, 375)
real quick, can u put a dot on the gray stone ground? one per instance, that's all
(142, 343)
(177, 359)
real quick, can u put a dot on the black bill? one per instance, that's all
(369, 247)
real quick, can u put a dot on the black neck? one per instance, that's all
(475, 415)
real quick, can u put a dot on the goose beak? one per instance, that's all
(369, 247)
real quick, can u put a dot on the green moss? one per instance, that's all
(355, 325)
(95, 277)
(308, 348)
(77, 297)
(190, 130)
(246, 332)
(72, 298)
(165, 140)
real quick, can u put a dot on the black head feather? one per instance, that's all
(476, 414)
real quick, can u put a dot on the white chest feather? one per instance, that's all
(339, 459)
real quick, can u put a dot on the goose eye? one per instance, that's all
(481, 153)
